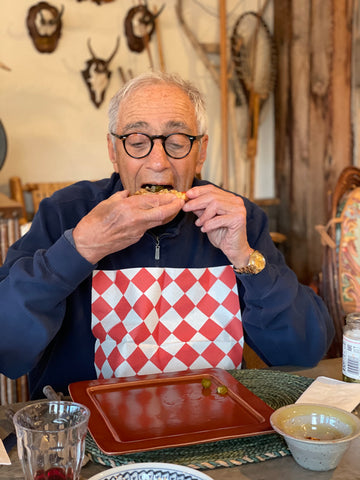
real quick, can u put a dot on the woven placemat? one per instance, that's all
(273, 387)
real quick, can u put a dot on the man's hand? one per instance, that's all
(222, 216)
(120, 221)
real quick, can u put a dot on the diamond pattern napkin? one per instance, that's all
(152, 320)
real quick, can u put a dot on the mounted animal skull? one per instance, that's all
(139, 26)
(98, 2)
(97, 75)
(44, 26)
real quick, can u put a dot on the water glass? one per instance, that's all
(51, 439)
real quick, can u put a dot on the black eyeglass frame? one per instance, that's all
(192, 139)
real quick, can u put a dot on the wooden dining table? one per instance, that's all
(283, 468)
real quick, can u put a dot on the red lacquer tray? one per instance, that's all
(149, 412)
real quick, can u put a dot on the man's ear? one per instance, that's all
(112, 153)
(202, 155)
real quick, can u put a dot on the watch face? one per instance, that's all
(257, 261)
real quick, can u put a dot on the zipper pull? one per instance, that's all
(157, 249)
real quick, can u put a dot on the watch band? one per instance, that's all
(256, 264)
(249, 269)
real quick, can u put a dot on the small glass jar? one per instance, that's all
(351, 348)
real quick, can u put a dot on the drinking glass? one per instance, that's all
(51, 439)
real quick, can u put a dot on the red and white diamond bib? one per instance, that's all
(152, 320)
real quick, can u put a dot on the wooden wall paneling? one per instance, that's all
(282, 37)
(299, 135)
(313, 123)
(320, 138)
(355, 82)
(341, 134)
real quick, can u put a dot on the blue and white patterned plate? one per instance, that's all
(151, 471)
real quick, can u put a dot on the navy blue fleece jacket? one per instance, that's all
(45, 290)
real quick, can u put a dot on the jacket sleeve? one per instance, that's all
(40, 272)
(285, 322)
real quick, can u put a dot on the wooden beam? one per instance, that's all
(312, 119)
(341, 132)
(224, 94)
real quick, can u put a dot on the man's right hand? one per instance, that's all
(122, 220)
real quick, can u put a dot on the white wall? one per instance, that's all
(55, 132)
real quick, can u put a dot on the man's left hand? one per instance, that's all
(222, 216)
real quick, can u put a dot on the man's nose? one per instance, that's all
(158, 158)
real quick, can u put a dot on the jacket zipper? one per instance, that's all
(157, 248)
(157, 243)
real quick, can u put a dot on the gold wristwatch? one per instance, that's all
(256, 263)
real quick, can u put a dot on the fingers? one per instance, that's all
(160, 210)
(199, 199)
(215, 208)
(147, 210)
(151, 200)
(215, 223)
(136, 213)
(120, 221)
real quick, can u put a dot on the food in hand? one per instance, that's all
(161, 189)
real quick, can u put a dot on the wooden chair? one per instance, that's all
(251, 359)
(29, 195)
(340, 278)
(11, 391)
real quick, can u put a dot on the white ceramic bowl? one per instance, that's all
(150, 471)
(317, 435)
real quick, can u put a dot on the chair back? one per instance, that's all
(29, 195)
(340, 279)
(11, 391)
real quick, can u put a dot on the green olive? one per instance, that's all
(206, 382)
(222, 390)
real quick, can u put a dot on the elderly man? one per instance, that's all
(109, 282)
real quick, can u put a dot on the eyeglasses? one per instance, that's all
(176, 145)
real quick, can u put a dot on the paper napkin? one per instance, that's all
(4, 457)
(329, 391)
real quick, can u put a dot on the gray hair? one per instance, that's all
(153, 78)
